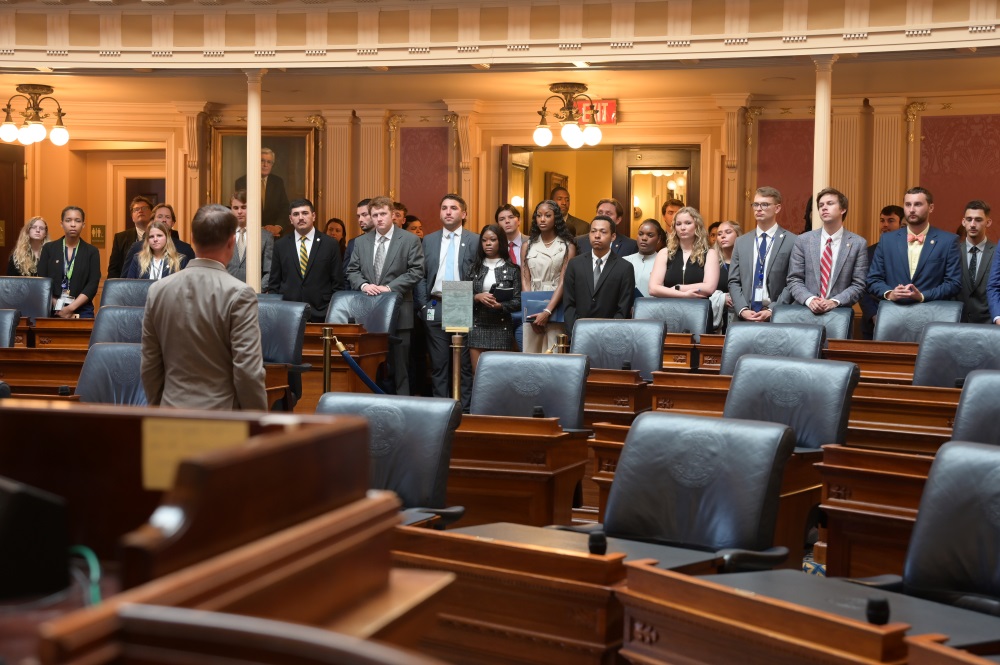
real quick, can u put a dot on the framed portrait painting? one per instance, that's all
(294, 160)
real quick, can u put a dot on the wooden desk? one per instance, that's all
(56, 333)
(369, 350)
(528, 595)
(710, 353)
(614, 395)
(44, 371)
(929, 650)
(522, 470)
(286, 576)
(879, 362)
(672, 618)
(22, 333)
(679, 352)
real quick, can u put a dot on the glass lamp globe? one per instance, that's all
(542, 136)
(592, 134)
(8, 132)
(572, 135)
(37, 132)
(59, 135)
(24, 135)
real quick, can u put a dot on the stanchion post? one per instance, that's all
(328, 339)
(457, 342)
(562, 343)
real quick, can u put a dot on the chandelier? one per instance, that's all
(32, 130)
(569, 116)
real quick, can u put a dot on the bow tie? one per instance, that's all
(912, 238)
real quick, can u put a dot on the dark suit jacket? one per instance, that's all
(86, 268)
(613, 296)
(973, 292)
(869, 303)
(468, 246)
(993, 288)
(184, 249)
(939, 272)
(402, 270)
(622, 246)
(324, 274)
(275, 203)
(576, 225)
(120, 245)
(741, 268)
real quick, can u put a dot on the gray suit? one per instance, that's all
(743, 264)
(201, 341)
(238, 267)
(847, 279)
(973, 293)
(439, 341)
(402, 269)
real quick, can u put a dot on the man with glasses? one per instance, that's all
(140, 208)
(759, 267)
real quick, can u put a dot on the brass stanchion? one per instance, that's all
(562, 343)
(457, 342)
(328, 340)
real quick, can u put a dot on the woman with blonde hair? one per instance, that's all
(722, 302)
(23, 260)
(687, 267)
(158, 256)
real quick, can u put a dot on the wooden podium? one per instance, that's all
(56, 333)
(879, 362)
(614, 396)
(523, 470)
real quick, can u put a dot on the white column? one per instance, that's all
(340, 190)
(254, 77)
(887, 157)
(821, 136)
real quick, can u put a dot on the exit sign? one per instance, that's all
(605, 111)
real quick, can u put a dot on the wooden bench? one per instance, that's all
(524, 470)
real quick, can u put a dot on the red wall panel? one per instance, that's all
(785, 161)
(959, 161)
(423, 172)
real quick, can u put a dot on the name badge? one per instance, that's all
(758, 294)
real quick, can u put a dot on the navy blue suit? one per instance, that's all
(993, 288)
(622, 245)
(938, 275)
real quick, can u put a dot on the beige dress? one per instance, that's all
(545, 264)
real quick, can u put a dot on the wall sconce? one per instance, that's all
(32, 130)
(568, 94)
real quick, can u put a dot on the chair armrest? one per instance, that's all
(446, 516)
(587, 430)
(883, 582)
(979, 604)
(798, 450)
(736, 560)
(577, 528)
(299, 369)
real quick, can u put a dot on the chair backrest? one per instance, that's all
(31, 295)
(409, 442)
(118, 324)
(159, 635)
(955, 544)
(111, 375)
(378, 314)
(949, 351)
(282, 330)
(513, 384)
(708, 483)
(813, 397)
(905, 323)
(975, 419)
(686, 316)
(838, 321)
(126, 292)
(788, 340)
(609, 343)
(9, 318)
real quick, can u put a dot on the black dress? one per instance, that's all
(492, 328)
(678, 274)
(13, 270)
(723, 278)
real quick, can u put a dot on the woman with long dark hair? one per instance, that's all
(549, 248)
(496, 288)
(74, 266)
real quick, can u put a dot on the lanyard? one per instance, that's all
(68, 264)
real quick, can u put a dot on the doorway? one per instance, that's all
(642, 178)
(11, 199)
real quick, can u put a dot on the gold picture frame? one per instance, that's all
(295, 160)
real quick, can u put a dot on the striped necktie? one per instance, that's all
(303, 256)
(825, 268)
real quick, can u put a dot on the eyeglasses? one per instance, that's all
(760, 206)
(138, 208)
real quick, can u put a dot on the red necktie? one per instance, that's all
(513, 253)
(825, 268)
(912, 238)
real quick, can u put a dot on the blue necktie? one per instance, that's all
(758, 274)
(449, 260)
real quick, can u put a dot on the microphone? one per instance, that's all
(877, 611)
(4, 390)
(597, 543)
